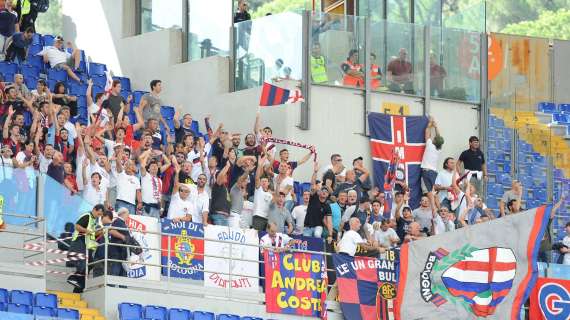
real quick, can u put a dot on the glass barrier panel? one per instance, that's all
(157, 15)
(455, 64)
(337, 50)
(467, 15)
(18, 190)
(268, 49)
(209, 34)
(400, 55)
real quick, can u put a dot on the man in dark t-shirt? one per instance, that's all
(399, 73)
(473, 160)
(115, 101)
(317, 210)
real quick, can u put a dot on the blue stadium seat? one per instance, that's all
(125, 94)
(547, 107)
(31, 82)
(95, 90)
(48, 40)
(57, 74)
(34, 49)
(125, 83)
(77, 89)
(196, 127)
(82, 101)
(203, 315)
(36, 61)
(37, 39)
(21, 297)
(19, 308)
(167, 112)
(155, 313)
(251, 318)
(29, 71)
(560, 118)
(64, 313)
(179, 314)
(97, 69)
(8, 67)
(43, 311)
(137, 95)
(45, 300)
(4, 297)
(564, 107)
(3, 306)
(7, 77)
(51, 84)
(223, 316)
(99, 80)
(128, 311)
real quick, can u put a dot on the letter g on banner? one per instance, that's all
(554, 301)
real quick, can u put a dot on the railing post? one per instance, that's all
(484, 96)
(306, 74)
(230, 272)
(367, 68)
(168, 262)
(427, 69)
(232, 58)
(105, 259)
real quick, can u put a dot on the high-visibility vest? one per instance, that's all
(318, 70)
(90, 240)
(375, 72)
(352, 81)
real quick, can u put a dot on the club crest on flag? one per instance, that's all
(184, 249)
(476, 279)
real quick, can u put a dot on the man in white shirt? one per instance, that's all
(299, 213)
(444, 181)
(385, 236)
(202, 200)
(151, 184)
(59, 58)
(261, 198)
(94, 192)
(128, 187)
(443, 221)
(285, 185)
(275, 241)
(424, 214)
(351, 240)
(431, 156)
(183, 201)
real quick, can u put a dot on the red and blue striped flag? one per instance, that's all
(273, 95)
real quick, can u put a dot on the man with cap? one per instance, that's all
(319, 213)
(430, 158)
(473, 161)
(58, 58)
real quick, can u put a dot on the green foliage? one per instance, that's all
(278, 6)
(51, 22)
(549, 24)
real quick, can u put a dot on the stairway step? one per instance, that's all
(88, 312)
(66, 295)
(90, 317)
(74, 304)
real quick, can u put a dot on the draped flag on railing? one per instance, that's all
(485, 270)
(184, 253)
(273, 95)
(296, 283)
(367, 286)
(403, 137)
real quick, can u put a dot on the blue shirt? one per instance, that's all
(336, 215)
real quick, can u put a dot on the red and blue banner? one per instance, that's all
(402, 136)
(550, 299)
(367, 286)
(273, 95)
(184, 253)
(295, 283)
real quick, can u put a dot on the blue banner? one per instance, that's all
(183, 254)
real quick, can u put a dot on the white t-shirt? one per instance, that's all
(431, 156)
(55, 56)
(151, 189)
(106, 179)
(72, 134)
(104, 116)
(566, 242)
(127, 187)
(21, 157)
(261, 201)
(299, 213)
(444, 179)
(441, 226)
(349, 242)
(288, 181)
(280, 241)
(383, 237)
(44, 163)
(202, 205)
(179, 208)
(94, 196)
(423, 216)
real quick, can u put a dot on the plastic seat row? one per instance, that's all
(550, 107)
(135, 311)
(23, 297)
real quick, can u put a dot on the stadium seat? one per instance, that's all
(155, 313)
(564, 107)
(179, 314)
(29, 71)
(130, 311)
(125, 83)
(99, 80)
(251, 318)
(77, 89)
(21, 297)
(167, 112)
(8, 67)
(3, 306)
(45, 300)
(36, 61)
(203, 315)
(95, 90)
(4, 297)
(560, 118)
(125, 94)
(31, 82)
(64, 313)
(37, 39)
(51, 84)
(137, 95)
(57, 74)
(18, 308)
(48, 40)
(97, 69)
(547, 107)
(223, 316)
(82, 101)
(44, 311)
